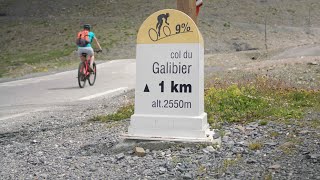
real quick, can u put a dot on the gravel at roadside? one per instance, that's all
(63, 144)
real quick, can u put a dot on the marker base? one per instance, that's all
(172, 128)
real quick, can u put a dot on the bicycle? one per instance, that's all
(153, 33)
(85, 74)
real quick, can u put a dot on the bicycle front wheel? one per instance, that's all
(166, 31)
(81, 75)
(93, 75)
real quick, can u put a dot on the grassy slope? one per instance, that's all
(39, 35)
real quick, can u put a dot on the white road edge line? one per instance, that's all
(33, 80)
(104, 93)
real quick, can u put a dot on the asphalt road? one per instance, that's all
(22, 97)
(310, 50)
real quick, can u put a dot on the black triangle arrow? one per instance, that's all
(146, 89)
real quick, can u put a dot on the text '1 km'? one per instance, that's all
(177, 88)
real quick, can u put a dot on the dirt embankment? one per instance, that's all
(227, 26)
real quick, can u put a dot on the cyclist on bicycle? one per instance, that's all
(160, 21)
(88, 48)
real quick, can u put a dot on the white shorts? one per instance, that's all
(87, 50)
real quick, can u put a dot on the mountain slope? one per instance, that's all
(39, 34)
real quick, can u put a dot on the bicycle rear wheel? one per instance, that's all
(93, 75)
(81, 75)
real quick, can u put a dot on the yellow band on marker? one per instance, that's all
(169, 26)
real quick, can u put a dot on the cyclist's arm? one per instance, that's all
(166, 21)
(97, 42)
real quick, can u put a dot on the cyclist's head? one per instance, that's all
(87, 27)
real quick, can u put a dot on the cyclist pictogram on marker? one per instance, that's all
(160, 19)
(161, 32)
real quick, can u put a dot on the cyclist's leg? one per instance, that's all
(80, 51)
(82, 59)
(159, 27)
(90, 57)
(90, 54)
(91, 62)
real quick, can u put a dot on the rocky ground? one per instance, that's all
(298, 71)
(64, 144)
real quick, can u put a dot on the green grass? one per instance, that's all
(122, 113)
(37, 57)
(242, 103)
(36, 27)
(255, 146)
(315, 123)
(263, 123)
(201, 169)
(50, 40)
(227, 163)
(32, 44)
(288, 147)
(264, 99)
(268, 176)
(33, 61)
(274, 134)
(227, 25)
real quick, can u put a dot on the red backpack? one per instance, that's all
(83, 38)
